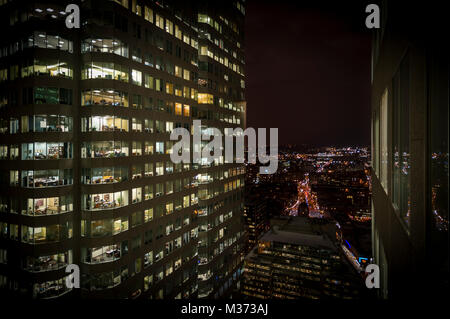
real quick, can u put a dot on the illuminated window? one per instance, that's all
(137, 148)
(148, 14)
(104, 97)
(194, 95)
(148, 148)
(45, 66)
(178, 109)
(169, 127)
(99, 149)
(205, 98)
(204, 19)
(47, 206)
(105, 70)
(178, 91)
(186, 110)
(43, 40)
(136, 77)
(50, 233)
(178, 32)
(169, 88)
(43, 178)
(159, 169)
(186, 92)
(148, 215)
(178, 71)
(186, 74)
(169, 26)
(194, 44)
(136, 125)
(114, 46)
(136, 195)
(158, 85)
(159, 21)
(148, 81)
(105, 200)
(159, 147)
(43, 150)
(136, 8)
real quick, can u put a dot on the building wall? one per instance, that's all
(286, 270)
(163, 211)
(403, 52)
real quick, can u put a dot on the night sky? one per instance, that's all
(308, 71)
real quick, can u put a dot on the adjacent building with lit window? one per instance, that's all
(410, 103)
(300, 258)
(86, 175)
(220, 104)
(256, 218)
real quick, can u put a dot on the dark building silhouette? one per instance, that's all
(256, 218)
(410, 103)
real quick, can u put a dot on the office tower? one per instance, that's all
(410, 103)
(300, 258)
(256, 218)
(86, 174)
(220, 104)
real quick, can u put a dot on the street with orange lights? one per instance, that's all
(305, 196)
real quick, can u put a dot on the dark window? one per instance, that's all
(439, 84)
(136, 30)
(148, 104)
(401, 165)
(169, 46)
(148, 236)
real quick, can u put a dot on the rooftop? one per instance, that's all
(301, 230)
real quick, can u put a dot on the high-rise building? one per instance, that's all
(256, 218)
(86, 176)
(300, 258)
(221, 105)
(410, 104)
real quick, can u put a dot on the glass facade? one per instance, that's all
(439, 103)
(410, 217)
(85, 135)
(401, 164)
